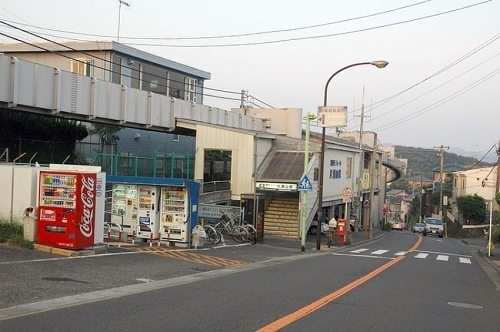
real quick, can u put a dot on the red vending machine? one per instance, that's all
(66, 209)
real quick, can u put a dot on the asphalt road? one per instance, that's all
(147, 290)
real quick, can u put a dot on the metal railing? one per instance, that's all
(161, 165)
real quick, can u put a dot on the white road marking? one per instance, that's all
(357, 251)
(445, 257)
(421, 255)
(379, 252)
(442, 258)
(365, 256)
(445, 253)
(464, 260)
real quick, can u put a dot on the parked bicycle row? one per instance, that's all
(227, 226)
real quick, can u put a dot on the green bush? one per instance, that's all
(495, 234)
(348, 240)
(388, 226)
(12, 231)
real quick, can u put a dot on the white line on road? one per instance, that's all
(400, 253)
(65, 258)
(445, 253)
(355, 255)
(379, 252)
(464, 260)
(357, 251)
(421, 255)
(442, 258)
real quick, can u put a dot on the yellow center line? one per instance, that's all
(310, 308)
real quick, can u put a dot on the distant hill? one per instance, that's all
(427, 160)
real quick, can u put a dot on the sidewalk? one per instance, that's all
(482, 250)
(311, 240)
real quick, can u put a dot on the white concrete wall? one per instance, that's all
(242, 146)
(19, 191)
(282, 121)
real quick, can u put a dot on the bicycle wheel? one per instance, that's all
(213, 236)
(239, 234)
(252, 234)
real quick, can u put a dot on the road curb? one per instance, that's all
(70, 253)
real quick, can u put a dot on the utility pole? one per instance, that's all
(243, 96)
(361, 156)
(372, 184)
(440, 151)
(497, 184)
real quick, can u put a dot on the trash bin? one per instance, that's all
(29, 225)
(198, 237)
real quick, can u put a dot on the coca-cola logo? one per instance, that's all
(88, 201)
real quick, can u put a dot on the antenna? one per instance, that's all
(119, 15)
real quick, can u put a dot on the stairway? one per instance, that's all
(282, 218)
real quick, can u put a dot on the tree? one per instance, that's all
(400, 184)
(50, 139)
(107, 134)
(472, 208)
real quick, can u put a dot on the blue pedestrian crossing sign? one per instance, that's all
(304, 184)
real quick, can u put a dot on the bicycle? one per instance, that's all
(226, 225)
(252, 233)
(213, 236)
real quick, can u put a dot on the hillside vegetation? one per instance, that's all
(426, 161)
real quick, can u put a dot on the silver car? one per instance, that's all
(419, 227)
(433, 226)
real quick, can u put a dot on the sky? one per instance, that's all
(441, 86)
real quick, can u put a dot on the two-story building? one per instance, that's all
(478, 181)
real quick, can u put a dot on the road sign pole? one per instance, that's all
(309, 118)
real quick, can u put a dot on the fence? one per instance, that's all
(162, 165)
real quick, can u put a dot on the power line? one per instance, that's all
(440, 102)
(242, 34)
(434, 89)
(462, 58)
(314, 37)
(284, 30)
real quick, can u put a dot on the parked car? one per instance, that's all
(314, 227)
(352, 222)
(419, 227)
(433, 226)
(397, 225)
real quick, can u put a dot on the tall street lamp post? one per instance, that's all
(378, 64)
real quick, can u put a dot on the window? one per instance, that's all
(116, 70)
(176, 85)
(136, 75)
(190, 89)
(81, 67)
(154, 79)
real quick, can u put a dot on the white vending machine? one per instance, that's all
(174, 214)
(124, 206)
(147, 226)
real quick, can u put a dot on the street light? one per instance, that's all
(378, 64)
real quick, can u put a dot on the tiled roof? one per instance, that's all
(284, 166)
